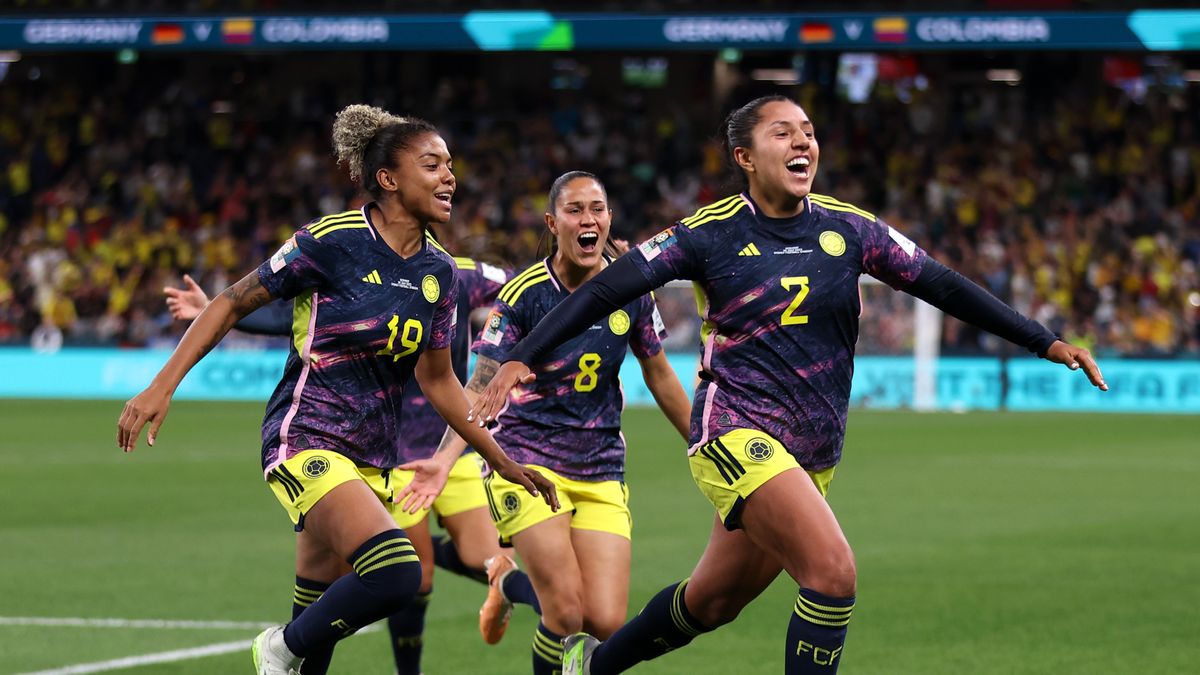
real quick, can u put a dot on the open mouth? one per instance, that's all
(443, 197)
(798, 166)
(588, 241)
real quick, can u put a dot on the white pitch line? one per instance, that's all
(149, 659)
(160, 657)
(79, 622)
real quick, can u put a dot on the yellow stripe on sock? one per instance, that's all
(382, 549)
(677, 613)
(388, 562)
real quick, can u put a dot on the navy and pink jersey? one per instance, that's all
(780, 305)
(569, 419)
(422, 428)
(362, 316)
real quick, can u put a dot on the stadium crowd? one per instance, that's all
(1080, 208)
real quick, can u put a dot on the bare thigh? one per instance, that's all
(788, 517)
(422, 542)
(335, 527)
(553, 568)
(474, 536)
(732, 572)
(603, 559)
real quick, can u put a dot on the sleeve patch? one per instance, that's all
(493, 330)
(902, 241)
(659, 326)
(286, 254)
(652, 247)
(493, 273)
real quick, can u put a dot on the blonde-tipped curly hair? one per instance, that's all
(353, 128)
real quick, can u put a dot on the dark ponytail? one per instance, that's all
(737, 131)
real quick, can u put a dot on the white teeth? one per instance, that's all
(797, 161)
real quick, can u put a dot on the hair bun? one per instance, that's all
(353, 128)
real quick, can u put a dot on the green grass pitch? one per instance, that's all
(986, 543)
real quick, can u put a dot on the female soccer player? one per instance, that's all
(776, 269)
(462, 505)
(374, 305)
(567, 425)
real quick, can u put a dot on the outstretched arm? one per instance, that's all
(613, 288)
(967, 301)
(206, 331)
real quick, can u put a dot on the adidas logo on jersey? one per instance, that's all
(373, 278)
(750, 249)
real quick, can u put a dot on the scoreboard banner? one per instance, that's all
(1141, 30)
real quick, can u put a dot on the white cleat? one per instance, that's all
(272, 656)
(577, 654)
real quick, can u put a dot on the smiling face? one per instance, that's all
(580, 221)
(781, 163)
(422, 178)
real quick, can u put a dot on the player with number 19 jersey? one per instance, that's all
(569, 419)
(780, 304)
(362, 317)
(422, 428)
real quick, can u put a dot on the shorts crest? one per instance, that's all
(315, 467)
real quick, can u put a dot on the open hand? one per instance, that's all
(186, 303)
(429, 478)
(1075, 358)
(493, 397)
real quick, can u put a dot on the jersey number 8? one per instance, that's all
(587, 377)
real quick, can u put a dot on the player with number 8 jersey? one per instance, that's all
(569, 419)
(566, 424)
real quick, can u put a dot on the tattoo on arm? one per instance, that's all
(485, 370)
(248, 294)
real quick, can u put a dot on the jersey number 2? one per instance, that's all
(790, 318)
(586, 379)
(410, 339)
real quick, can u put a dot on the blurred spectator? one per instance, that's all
(1081, 208)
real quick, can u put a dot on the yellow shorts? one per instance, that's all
(301, 482)
(602, 506)
(463, 491)
(727, 470)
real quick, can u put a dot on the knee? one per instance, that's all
(717, 611)
(562, 610)
(474, 555)
(388, 566)
(426, 576)
(602, 624)
(834, 575)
